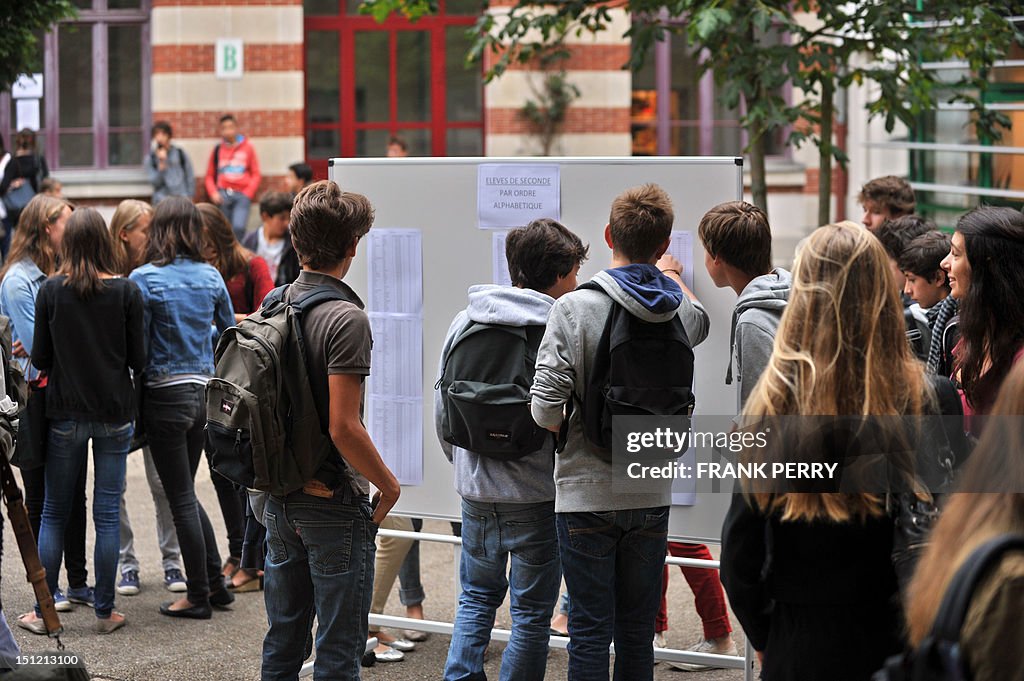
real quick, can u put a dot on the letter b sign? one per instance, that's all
(229, 58)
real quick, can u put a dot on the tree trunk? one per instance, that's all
(825, 151)
(758, 175)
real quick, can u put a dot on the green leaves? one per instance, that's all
(708, 22)
(21, 22)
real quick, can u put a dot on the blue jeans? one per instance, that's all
(235, 207)
(612, 563)
(490, 533)
(319, 563)
(66, 454)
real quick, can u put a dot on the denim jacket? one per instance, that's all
(181, 302)
(18, 293)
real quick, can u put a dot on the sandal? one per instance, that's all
(231, 566)
(253, 582)
(31, 622)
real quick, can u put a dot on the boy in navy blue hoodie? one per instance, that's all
(612, 545)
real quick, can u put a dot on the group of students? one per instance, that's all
(810, 576)
(115, 323)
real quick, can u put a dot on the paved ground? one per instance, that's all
(156, 648)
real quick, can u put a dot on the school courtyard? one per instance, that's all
(153, 647)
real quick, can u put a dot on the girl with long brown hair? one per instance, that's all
(824, 559)
(184, 298)
(33, 258)
(88, 338)
(246, 275)
(991, 503)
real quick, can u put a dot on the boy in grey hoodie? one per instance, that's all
(508, 505)
(738, 253)
(612, 545)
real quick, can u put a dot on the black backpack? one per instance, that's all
(485, 391)
(919, 335)
(641, 369)
(939, 657)
(264, 430)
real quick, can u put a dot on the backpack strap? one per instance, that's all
(953, 609)
(570, 406)
(301, 305)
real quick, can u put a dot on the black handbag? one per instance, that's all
(33, 427)
(943, 449)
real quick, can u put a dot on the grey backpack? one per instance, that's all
(263, 428)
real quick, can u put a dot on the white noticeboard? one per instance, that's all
(437, 197)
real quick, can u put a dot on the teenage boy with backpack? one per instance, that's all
(320, 538)
(612, 546)
(508, 495)
(928, 285)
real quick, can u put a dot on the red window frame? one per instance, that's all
(347, 25)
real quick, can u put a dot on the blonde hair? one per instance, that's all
(125, 219)
(31, 238)
(841, 350)
(970, 519)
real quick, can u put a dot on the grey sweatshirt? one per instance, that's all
(484, 479)
(176, 179)
(583, 481)
(755, 320)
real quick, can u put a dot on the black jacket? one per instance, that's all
(87, 348)
(818, 598)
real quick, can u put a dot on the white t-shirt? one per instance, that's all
(271, 252)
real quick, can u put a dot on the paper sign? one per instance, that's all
(512, 195)
(28, 114)
(394, 391)
(499, 262)
(681, 248)
(28, 86)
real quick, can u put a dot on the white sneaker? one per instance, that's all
(705, 647)
(389, 655)
(659, 642)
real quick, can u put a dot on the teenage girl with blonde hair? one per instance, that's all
(823, 560)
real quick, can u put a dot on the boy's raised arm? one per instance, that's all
(555, 380)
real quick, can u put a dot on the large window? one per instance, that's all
(367, 81)
(691, 120)
(95, 102)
